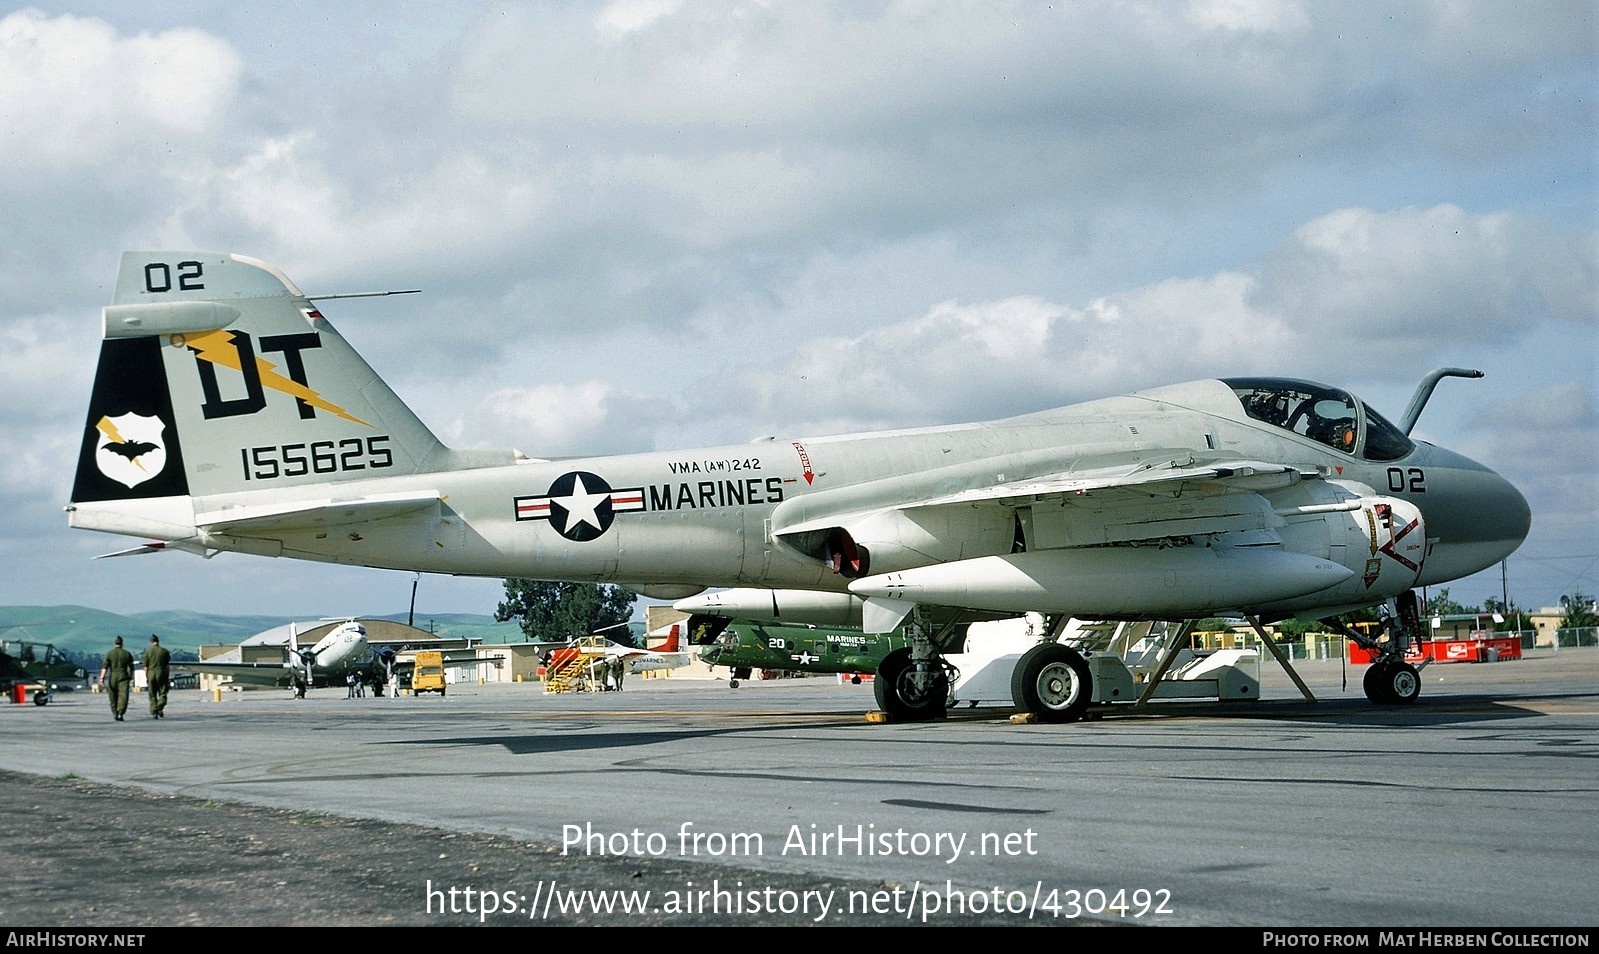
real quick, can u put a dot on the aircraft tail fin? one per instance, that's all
(672, 643)
(217, 375)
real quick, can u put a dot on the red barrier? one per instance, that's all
(1497, 649)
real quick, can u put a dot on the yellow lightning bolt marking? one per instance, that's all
(217, 348)
(111, 433)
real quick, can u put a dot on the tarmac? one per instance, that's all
(782, 803)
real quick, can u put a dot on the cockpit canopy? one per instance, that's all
(1323, 414)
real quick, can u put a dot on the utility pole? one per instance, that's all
(410, 620)
(1504, 587)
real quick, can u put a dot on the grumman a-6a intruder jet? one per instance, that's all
(229, 414)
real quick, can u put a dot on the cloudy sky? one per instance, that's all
(653, 224)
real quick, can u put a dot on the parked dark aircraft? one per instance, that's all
(748, 646)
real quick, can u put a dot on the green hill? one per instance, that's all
(82, 631)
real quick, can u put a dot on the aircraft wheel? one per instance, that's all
(1403, 684)
(902, 694)
(40, 697)
(1375, 684)
(1053, 683)
(1392, 683)
(732, 684)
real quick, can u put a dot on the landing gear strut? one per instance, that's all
(1391, 679)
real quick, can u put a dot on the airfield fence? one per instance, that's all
(1333, 646)
(1582, 636)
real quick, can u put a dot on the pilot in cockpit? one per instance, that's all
(1268, 407)
(1332, 423)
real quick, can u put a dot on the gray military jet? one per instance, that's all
(229, 415)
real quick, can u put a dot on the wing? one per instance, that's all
(404, 663)
(1145, 500)
(244, 673)
(1161, 535)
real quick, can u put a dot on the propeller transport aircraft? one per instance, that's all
(228, 414)
(343, 649)
(335, 656)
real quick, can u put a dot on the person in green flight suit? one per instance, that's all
(158, 676)
(116, 674)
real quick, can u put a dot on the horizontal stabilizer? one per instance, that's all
(307, 515)
(163, 546)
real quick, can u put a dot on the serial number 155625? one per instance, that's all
(317, 457)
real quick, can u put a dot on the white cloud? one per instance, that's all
(74, 93)
(1263, 15)
(630, 16)
(555, 419)
(1349, 293)
(1401, 280)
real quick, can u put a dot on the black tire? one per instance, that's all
(732, 684)
(1392, 683)
(40, 697)
(901, 696)
(1052, 683)
(1375, 683)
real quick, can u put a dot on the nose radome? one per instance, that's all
(1475, 517)
(1519, 514)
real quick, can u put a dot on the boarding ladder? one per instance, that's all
(567, 675)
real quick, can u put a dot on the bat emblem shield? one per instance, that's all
(130, 450)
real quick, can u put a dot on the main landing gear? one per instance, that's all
(1050, 681)
(1053, 683)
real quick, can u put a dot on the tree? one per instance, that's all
(1509, 615)
(556, 612)
(1579, 611)
(1293, 630)
(1442, 605)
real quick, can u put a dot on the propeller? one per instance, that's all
(305, 657)
(387, 656)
